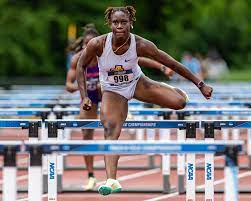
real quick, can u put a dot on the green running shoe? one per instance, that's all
(111, 186)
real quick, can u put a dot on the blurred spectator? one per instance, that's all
(215, 66)
(192, 63)
(202, 61)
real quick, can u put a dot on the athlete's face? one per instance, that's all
(120, 24)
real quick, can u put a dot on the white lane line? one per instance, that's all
(134, 175)
(220, 181)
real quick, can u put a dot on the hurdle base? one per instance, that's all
(59, 183)
(45, 183)
(181, 185)
(151, 162)
(166, 184)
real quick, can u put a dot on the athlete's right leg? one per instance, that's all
(88, 135)
(114, 109)
(161, 94)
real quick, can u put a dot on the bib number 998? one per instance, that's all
(121, 78)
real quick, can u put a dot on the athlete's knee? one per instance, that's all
(110, 127)
(180, 103)
(183, 94)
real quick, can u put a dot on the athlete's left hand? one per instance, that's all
(207, 91)
(86, 104)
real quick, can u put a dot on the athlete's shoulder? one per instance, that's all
(74, 59)
(142, 41)
(98, 43)
(143, 44)
(97, 40)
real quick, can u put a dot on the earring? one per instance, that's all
(131, 26)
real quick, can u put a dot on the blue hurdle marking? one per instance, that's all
(162, 111)
(18, 123)
(228, 123)
(14, 144)
(180, 124)
(23, 111)
(140, 111)
(134, 147)
(221, 103)
(218, 111)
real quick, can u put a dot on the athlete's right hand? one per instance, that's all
(86, 104)
(71, 87)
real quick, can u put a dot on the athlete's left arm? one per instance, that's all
(147, 62)
(146, 48)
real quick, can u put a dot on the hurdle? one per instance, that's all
(181, 133)
(38, 112)
(224, 112)
(219, 124)
(9, 149)
(142, 147)
(32, 126)
(53, 127)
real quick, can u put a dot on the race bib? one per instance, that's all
(92, 84)
(120, 77)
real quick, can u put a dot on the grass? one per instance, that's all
(243, 75)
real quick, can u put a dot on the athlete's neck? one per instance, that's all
(119, 41)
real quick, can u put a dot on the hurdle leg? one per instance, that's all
(139, 132)
(230, 172)
(52, 164)
(165, 136)
(150, 133)
(44, 136)
(209, 164)
(190, 163)
(9, 174)
(60, 164)
(35, 180)
(66, 136)
(190, 176)
(181, 164)
(236, 132)
(225, 131)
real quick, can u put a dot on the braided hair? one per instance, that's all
(129, 10)
(88, 29)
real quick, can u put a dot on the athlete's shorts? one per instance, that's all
(125, 91)
(94, 96)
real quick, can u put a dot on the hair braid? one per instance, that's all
(129, 10)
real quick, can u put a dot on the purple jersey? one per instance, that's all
(92, 76)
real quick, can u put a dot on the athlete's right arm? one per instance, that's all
(85, 58)
(150, 63)
(71, 75)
